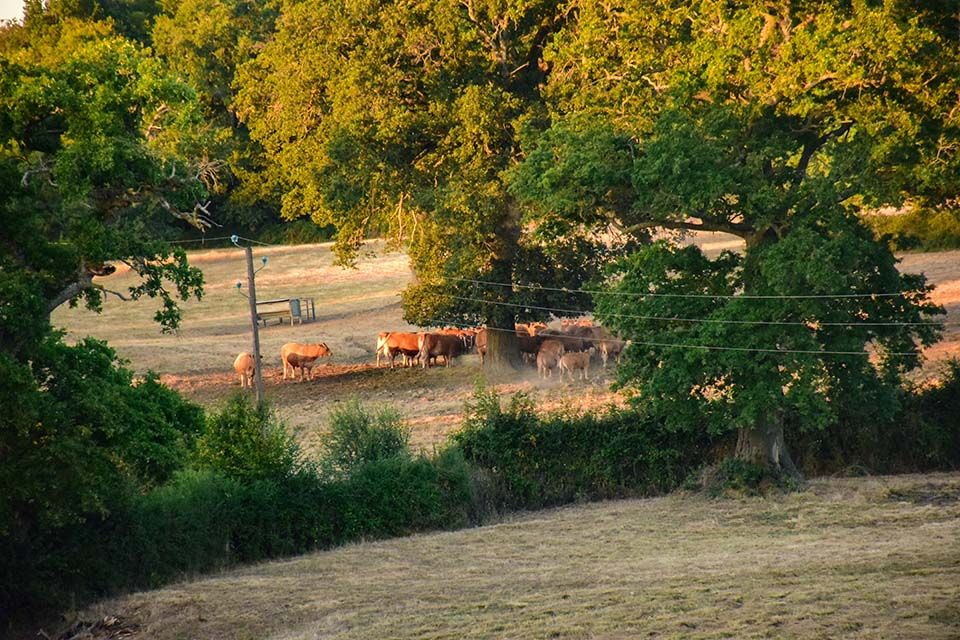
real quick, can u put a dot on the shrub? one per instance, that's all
(544, 460)
(247, 442)
(919, 432)
(358, 437)
(921, 229)
(302, 231)
(78, 441)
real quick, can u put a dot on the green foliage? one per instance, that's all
(777, 125)
(399, 120)
(80, 433)
(922, 433)
(773, 359)
(96, 148)
(359, 437)
(296, 232)
(733, 475)
(79, 439)
(547, 460)
(202, 520)
(247, 442)
(924, 230)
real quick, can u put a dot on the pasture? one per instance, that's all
(860, 558)
(353, 305)
(848, 558)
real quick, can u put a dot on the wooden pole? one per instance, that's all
(252, 290)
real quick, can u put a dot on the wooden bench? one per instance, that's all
(304, 309)
(279, 314)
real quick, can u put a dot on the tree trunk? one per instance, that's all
(763, 444)
(503, 350)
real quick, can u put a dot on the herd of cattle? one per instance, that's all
(567, 349)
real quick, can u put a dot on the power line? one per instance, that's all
(680, 295)
(709, 347)
(706, 320)
(199, 240)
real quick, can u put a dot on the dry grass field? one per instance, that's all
(847, 558)
(352, 307)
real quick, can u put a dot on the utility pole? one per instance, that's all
(251, 286)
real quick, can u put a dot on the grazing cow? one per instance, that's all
(570, 342)
(548, 357)
(302, 356)
(395, 343)
(571, 362)
(433, 345)
(609, 348)
(481, 342)
(243, 365)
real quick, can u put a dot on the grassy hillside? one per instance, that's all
(859, 558)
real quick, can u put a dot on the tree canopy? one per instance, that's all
(777, 125)
(402, 118)
(97, 148)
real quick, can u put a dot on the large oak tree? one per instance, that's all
(777, 123)
(401, 118)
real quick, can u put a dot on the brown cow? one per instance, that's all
(467, 336)
(570, 342)
(433, 345)
(548, 357)
(481, 342)
(396, 343)
(529, 328)
(296, 355)
(609, 348)
(529, 346)
(243, 365)
(571, 362)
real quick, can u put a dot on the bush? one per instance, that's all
(919, 229)
(246, 442)
(302, 231)
(548, 460)
(358, 437)
(78, 441)
(920, 432)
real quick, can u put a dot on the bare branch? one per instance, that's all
(112, 292)
(200, 216)
(815, 144)
(42, 168)
(733, 228)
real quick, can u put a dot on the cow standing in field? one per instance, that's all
(571, 362)
(391, 344)
(433, 345)
(244, 366)
(481, 342)
(548, 357)
(302, 356)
